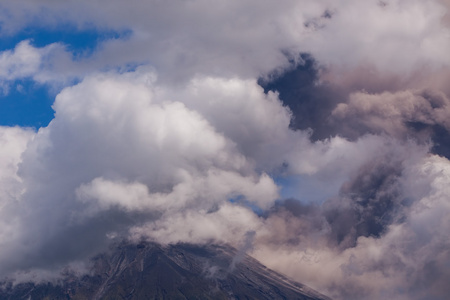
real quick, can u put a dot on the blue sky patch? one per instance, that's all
(306, 188)
(26, 104)
(79, 42)
(242, 200)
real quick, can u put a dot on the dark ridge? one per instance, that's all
(183, 271)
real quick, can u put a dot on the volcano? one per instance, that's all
(182, 271)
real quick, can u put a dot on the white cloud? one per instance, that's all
(119, 143)
(246, 38)
(227, 224)
(23, 61)
(161, 157)
(215, 187)
(124, 143)
(26, 61)
(13, 142)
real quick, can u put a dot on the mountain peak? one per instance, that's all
(183, 271)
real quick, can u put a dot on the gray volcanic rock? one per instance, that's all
(182, 271)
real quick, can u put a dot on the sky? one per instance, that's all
(320, 129)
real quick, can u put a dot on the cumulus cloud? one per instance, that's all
(222, 114)
(246, 38)
(13, 142)
(45, 65)
(23, 61)
(121, 145)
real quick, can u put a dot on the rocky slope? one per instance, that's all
(151, 271)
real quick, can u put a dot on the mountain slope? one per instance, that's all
(183, 271)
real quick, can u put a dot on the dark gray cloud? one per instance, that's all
(366, 205)
(311, 101)
(384, 232)
(420, 115)
(369, 106)
(74, 242)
